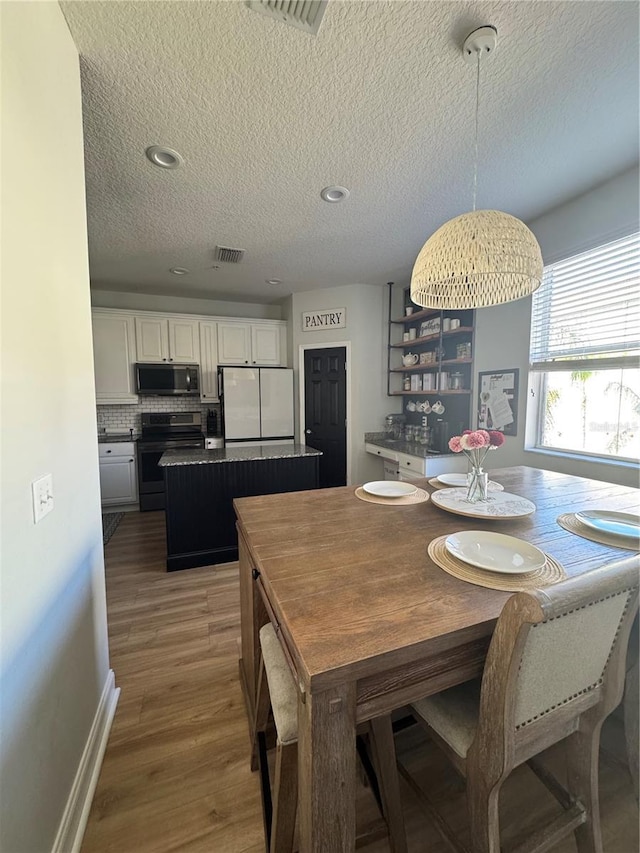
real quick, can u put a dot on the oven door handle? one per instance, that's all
(160, 447)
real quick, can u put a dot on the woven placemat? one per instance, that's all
(493, 486)
(418, 497)
(569, 521)
(550, 573)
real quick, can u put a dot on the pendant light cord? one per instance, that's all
(475, 159)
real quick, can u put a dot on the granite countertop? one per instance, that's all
(235, 454)
(411, 448)
(107, 438)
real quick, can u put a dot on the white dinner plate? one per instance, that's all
(615, 523)
(390, 489)
(452, 479)
(495, 552)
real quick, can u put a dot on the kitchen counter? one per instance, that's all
(411, 448)
(235, 454)
(116, 438)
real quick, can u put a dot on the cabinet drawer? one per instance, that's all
(116, 448)
(411, 464)
(382, 452)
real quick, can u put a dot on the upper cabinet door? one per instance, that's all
(208, 362)
(265, 345)
(234, 343)
(152, 343)
(114, 357)
(183, 341)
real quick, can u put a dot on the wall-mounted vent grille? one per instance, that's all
(228, 256)
(304, 14)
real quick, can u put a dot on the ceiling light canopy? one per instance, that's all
(165, 158)
(334, 194)
(273, 281)
(484, 257)
(179, 271)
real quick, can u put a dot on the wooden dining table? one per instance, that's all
(369, 623)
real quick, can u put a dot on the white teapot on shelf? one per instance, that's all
(409, 359)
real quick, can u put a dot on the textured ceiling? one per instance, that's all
(379, 101)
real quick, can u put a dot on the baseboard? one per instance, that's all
(107, 508)
(76, 813)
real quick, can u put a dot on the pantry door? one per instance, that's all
(325, 411)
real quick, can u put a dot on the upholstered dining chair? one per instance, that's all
(554, 671)
(277, 693)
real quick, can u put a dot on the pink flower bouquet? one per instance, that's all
(476, 444)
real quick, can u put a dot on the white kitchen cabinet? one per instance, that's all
(265, 345)
(167, 339)
(114, 357)
(250, 343)
(234, 343)
(208, 362)
(152, 339)
(118, 483)
(184, 345)
(409, 467)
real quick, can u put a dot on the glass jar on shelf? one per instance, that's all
(456, 381)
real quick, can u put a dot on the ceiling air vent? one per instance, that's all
(304, 14)
(228, 256)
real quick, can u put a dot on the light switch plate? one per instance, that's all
(42, 490)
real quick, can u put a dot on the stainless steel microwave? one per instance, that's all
(168, 379)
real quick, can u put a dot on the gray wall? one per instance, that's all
(502, 333)
(53, 617)
(184, 305)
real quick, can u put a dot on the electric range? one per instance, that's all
(163, 431)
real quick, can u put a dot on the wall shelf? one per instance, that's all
(418, 315)
(451, 351)
(429, 339)
(422, 368)
(430, 393)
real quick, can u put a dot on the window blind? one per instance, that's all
(588, 307)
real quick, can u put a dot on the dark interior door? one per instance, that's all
(325, 411)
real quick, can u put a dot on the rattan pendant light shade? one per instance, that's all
(484, 257)
(479, 259)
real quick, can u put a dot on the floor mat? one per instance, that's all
(110, 520)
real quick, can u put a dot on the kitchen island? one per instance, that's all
(200, 486)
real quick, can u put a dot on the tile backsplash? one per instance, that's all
(124, 418)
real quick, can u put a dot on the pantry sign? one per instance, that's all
(317, 321)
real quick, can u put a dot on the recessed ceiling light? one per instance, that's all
(273, 281)
(166, 158)
(179, 271)
(334, 194)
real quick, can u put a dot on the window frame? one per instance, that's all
(538, 374)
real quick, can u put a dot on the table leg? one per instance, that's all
(327, 770)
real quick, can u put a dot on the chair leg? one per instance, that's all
(384, 757)
(582, 750)
(484, 823)
(263, 705)
(285, 795)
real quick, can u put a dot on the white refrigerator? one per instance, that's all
(257, 405)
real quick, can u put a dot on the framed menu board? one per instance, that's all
(498, 400)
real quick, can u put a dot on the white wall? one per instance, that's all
(366, 331)
(502, 333)
(54, 660)
(184, 305)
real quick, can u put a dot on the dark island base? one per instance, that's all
(195, 559)
(200, 517)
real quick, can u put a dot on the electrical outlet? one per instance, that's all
(42, 489)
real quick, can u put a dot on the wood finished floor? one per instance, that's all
(176, 773)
